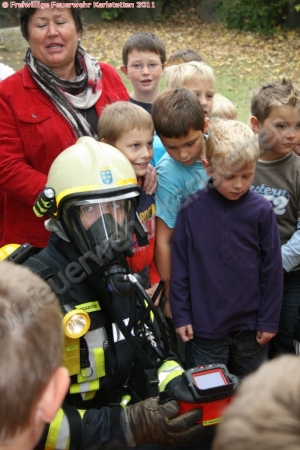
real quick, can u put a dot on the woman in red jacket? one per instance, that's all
(5, 71)
(44, 108)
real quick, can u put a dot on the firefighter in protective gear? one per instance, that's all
(117, 359)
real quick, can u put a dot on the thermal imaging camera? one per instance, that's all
(209, 388)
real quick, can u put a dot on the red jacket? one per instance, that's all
(32, 134)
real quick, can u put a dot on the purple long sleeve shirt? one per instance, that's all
(226, 265)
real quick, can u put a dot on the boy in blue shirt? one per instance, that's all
(197, 77)
(226, 281)
(180, 122)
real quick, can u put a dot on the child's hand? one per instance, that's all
(151, 291)
(186, 333)
(263, 337)
(150, 180)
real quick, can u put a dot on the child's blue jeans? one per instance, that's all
(238, 350)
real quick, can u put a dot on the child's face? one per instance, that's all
(279, 134)
(232, 183)
(137, 146)
(205, 92)
(186, 150)
(144, 70)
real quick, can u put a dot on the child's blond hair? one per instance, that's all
(223, 108)
(231, 142)
(178, 76)
(120, 118)
(31, 342)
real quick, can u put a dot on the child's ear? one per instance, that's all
(163, 68)
(53, 395)
(255, 124)
(124, 70)
(206, 124)
(107, 141)
(207, 166)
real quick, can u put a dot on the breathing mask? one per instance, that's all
(102, 225)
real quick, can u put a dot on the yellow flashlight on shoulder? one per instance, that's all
(76, 324)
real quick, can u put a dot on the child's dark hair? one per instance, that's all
(275, 94)
(176, 111)
(144, 42)
(183, 55)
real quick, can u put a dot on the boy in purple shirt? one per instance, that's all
(226, 280)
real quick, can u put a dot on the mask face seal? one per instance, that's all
(104, 226)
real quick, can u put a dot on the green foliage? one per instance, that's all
(177, 8)
(262, 16)
(297, 7)
(9, 18)
(112, 13)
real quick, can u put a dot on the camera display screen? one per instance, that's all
(207, 380)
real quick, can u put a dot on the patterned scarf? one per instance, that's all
(83, 92)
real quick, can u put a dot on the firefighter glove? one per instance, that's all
(148, 422)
